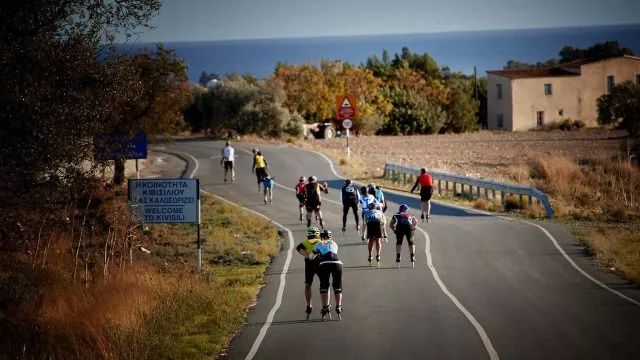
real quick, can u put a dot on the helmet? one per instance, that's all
(423, 171)
(372, 206)
(363, 189)
(325, 234)
(313, 231)
(255, 150)
(302, 179)
(348, 181)
(378, 187)
(403, 208)
(312, 178)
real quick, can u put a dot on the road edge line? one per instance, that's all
(572, 263)
(283, 276)
(545, 231)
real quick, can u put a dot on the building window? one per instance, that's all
(540, 118)
(499, 90)
(548, 90)
(611, 82)
(500, 121)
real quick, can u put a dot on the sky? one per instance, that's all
(199, 20)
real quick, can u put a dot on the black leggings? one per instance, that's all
(345, 211)
(401, 233)
(333, 270)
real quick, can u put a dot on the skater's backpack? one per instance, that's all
(404, 219)
(313, 192)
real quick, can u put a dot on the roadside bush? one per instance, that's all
(512, 203)
(566, 124)
(480, 204)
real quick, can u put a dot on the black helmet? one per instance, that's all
(423, 171)
(325, 234)
(363, 189)
(312, 178)
(348, 181)
(403, 208)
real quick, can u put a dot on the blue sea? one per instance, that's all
(461, 51)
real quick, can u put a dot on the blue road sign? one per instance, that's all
(117, 146)
(165, 201)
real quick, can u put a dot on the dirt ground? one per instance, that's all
(492, 155)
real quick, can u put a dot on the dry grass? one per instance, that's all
(157, 307)
(617, 247)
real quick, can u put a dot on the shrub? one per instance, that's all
(512, 203)
(480, 204)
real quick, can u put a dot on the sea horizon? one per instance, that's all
(459, 50)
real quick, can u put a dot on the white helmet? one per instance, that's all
(312, 178)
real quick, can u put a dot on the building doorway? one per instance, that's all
(540, 118)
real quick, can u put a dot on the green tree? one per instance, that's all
(462, 109)
(601, 50)
(621, 108)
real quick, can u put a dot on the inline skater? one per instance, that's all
(301, 195)
(365, 200)
(374, 223)
(228, 157)
(403, 224)
(314, 200)
(267, 183)
(379, 195)
(305, 248)
(425, 183)
(329, 266)
(259, 166)
(349, 201)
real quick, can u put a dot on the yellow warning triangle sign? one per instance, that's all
(346, 103)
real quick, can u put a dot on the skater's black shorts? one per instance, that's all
(301, 199)
(333, 270)
(425, 193)
(350, 205)
(312, 205)
(402, 232)
(374, 230)
(310, 270)
(261, 173)
(228, 165)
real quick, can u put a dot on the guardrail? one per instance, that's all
(406, 174)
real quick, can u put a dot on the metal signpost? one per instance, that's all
(167, 201)
(346, 111)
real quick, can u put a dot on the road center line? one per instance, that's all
(283, 275)
(493, 354)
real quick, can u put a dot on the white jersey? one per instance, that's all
(365, 200)
(228, 153)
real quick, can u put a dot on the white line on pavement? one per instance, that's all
(283, 275)
(568, 258)
(553, 240)
(483, 334)
(493, 355)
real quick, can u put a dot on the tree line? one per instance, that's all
(406, 94)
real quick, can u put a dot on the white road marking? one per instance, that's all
(483, 334)
(553, 240)
(283, 275)
(575, 266)
(493, 355)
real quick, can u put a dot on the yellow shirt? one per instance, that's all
(259, 161)
(309, 244)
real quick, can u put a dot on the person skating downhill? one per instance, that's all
(329, 267)
(313, 200)
(425, 183)
(349, 201)
(305, 248)
(403, 224)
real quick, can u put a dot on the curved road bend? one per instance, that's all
(507, 275)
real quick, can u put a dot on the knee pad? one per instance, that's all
(337, 291)
(324, 291)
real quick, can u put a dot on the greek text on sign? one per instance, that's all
(346, 107)
(161, 201)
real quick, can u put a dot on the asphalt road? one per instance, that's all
(484, 286)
